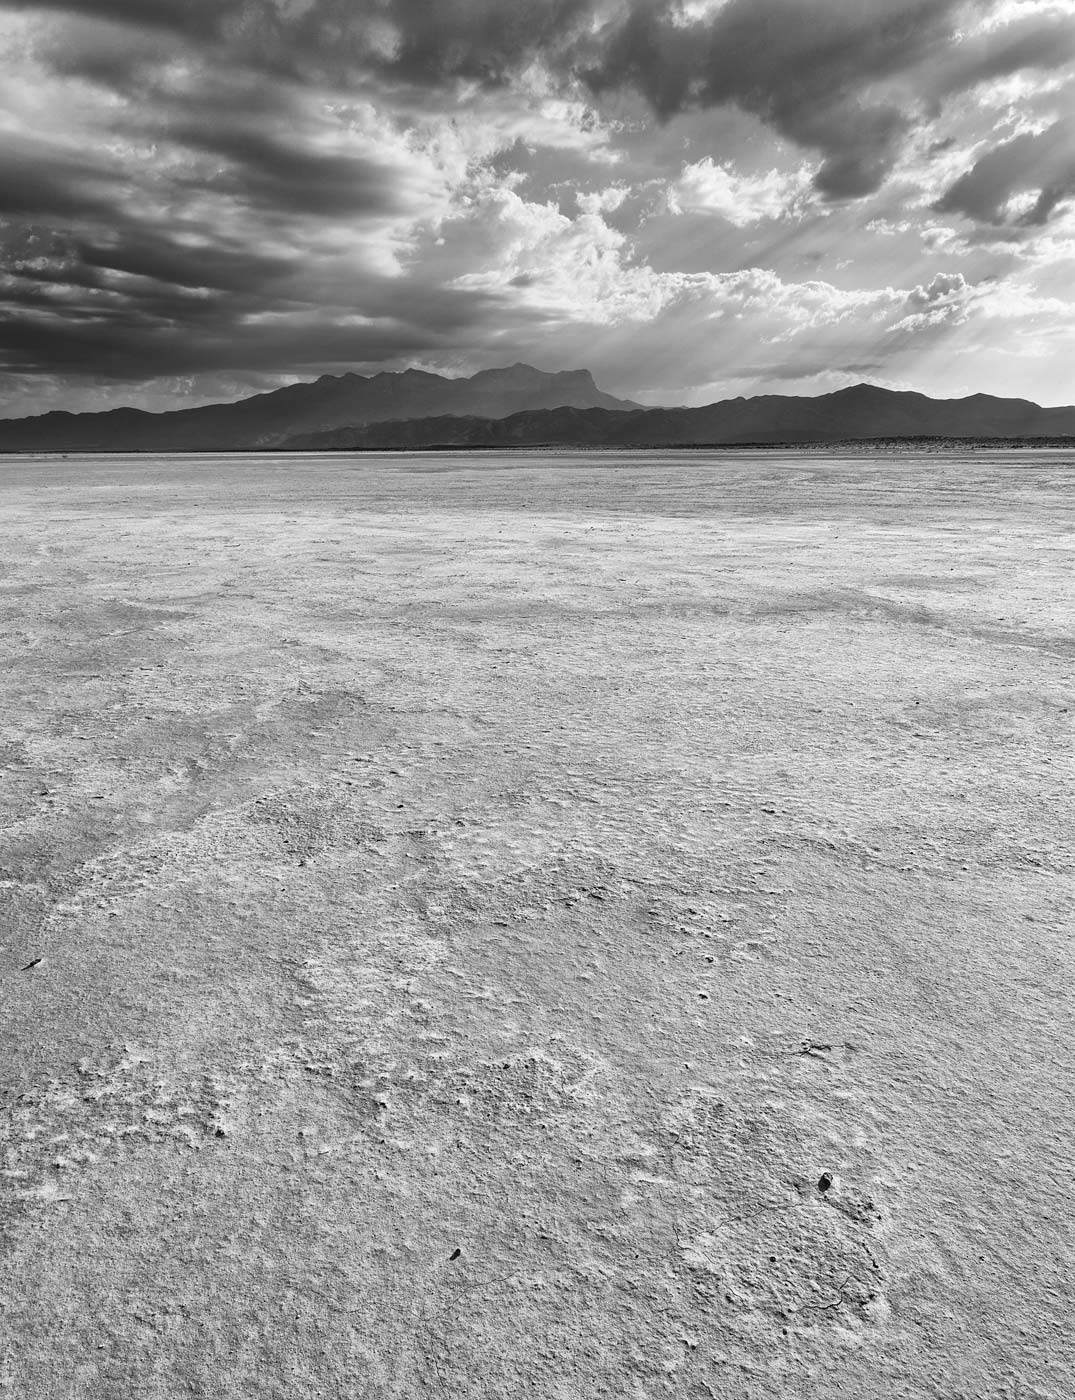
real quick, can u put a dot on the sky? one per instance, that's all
(694, 199)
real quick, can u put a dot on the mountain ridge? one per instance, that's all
(858, 413)
(520, 406)
(266, 420)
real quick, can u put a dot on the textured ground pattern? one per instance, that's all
(453, 911)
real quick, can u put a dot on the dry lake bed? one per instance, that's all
(457, 912)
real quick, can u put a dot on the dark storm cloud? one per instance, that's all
(80, 292)
(804, 69)
(132, 347)
(138, 256)
(39, 180)
(145, 254)
(1040, 165)
(316, 42)
(198, 19)
(484, 41)
(265, 170)
(815, 72)
(194, 244)
(208, 235)
(71, 276)
(145, 327)
(425, 42)
(132, 304)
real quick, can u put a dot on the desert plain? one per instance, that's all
(457, 911)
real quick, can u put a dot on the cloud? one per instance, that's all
(200, 19)
(844, 80)
(668, 190)
(119, 347)
(1041, 40)
(949, 301)
(265, 170)
(944, 289)
(1039, 166)
(40, 179)
(411, 41)
(810, 71)
(155, 256)
(484, 41)
(944, 301)
(605, 201)
(709, 187)
(693, 336)
(546, 262)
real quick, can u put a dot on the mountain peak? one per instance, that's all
(518, 404)
(508, 373)
(328, 403)
(862, 390)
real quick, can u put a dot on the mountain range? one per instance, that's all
(521, 406)
(270, 420)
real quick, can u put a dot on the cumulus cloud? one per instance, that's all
(541, 260)
(275, 187)
(709, 187)
(949, 301)
(944, 289)
(605, 201)
(945, 300)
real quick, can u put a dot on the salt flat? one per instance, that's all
(477, 898)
